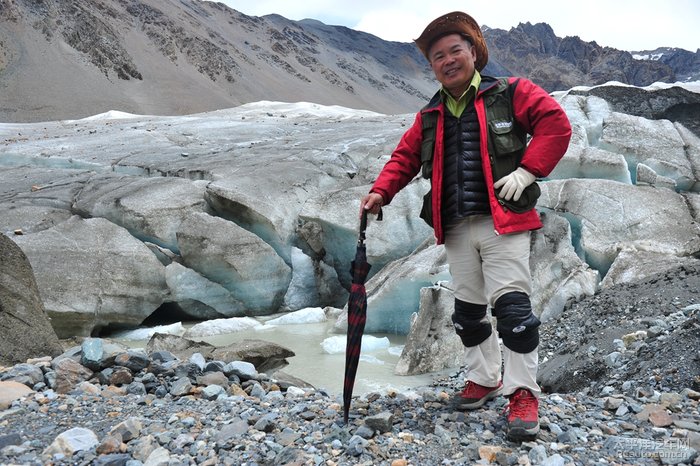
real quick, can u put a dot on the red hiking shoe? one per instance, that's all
(474, 395)
(522, 418)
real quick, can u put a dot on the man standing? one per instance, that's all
(469, 140)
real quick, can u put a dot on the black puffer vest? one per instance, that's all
(464, 190)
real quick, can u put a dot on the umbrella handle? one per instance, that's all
(363, 224)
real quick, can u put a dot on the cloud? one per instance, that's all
(395, 25)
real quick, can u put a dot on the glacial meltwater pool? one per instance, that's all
(315, 365)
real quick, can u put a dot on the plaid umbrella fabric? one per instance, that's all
(357, 315)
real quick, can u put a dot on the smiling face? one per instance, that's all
(452, 60)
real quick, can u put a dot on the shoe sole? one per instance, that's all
(523, 434)
(457, 404)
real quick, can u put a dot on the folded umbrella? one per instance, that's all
(357, 314)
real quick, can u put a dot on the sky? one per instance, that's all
(630, 25)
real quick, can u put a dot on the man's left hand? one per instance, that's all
(514, 184)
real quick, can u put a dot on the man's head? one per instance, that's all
(454, 23)
(452, 60)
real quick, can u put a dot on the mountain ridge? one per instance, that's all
(67, 60)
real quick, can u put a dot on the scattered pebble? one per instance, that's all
(251, 419)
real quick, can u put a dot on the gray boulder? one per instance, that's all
(265, 356)
(432, 344)
(198, 297)
(607, 216)
(267, 202)
(151, 209)
(25, 328)
(182, 348)
(92, 273)
(237, 259)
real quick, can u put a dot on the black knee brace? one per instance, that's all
(467, 322)
(516, 324)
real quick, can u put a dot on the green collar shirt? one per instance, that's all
(457, 106)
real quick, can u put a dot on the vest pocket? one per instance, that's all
(503, 137)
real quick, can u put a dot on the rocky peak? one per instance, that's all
(534, 50)
(686, 64)
(542, 33)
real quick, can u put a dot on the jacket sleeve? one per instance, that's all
(544, 119)
(403, 165)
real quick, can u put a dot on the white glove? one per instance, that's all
(514, 184)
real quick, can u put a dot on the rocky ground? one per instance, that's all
(621, 388)
(645, 333)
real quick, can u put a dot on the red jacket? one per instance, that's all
(536, 112)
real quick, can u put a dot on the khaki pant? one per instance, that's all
(484, 266)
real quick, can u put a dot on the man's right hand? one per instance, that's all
(372, 202)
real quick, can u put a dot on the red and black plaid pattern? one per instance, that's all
(357, 317)
(360, 267)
